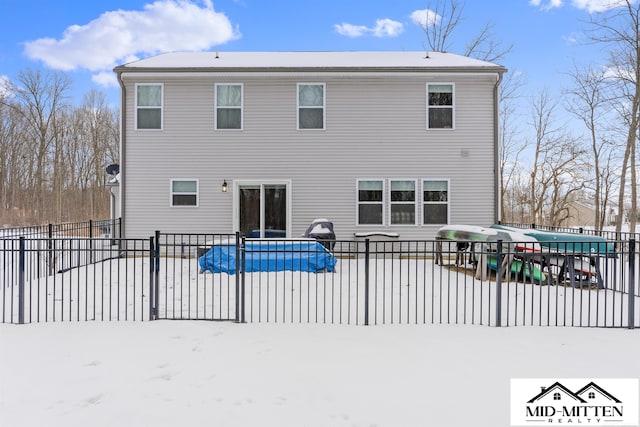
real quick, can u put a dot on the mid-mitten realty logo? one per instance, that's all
(574, 401)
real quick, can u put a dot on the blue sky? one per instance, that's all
(88, 38)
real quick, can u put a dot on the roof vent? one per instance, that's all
(217, 54)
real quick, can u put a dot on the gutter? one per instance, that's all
(496, 148)
(328, 69)
(123, 144)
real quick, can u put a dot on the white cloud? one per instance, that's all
(383, 28)
(425, 17)
(548, 5)
(350, 30)
(588, 5)
(574, 38)
(105, 79)
(387, 28)
(597, 5)
(118, 36)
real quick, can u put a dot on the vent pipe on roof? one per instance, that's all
(426, 55)
(217, 54)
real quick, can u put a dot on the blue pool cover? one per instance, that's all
(263, 255)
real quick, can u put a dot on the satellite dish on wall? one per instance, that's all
(113, 169)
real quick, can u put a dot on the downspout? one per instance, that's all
(123, 139)
(113, 204)
(496, 147)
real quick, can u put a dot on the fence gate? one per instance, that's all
(181, 290)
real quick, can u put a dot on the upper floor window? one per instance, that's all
(556, 396)
(403, 202)
(311, 105)
(370, 202)
(228, 106)
(149, 106)
(440, 106)
(435, 197)
(184, 192)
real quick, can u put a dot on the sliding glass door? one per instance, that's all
(263, 209)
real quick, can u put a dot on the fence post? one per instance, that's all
(91, 241)
(632, 283)
(499, 257)
(237, 255)
(152, 268)
(156, 280)
(21, 262)
(367, 254)
(50, 257)
(241, 268)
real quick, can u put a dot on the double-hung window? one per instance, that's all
(440, 113)
(228, 106)
(184, 192)
(149, 105)
(435, 209)
(311, 105)
(402, 202)
(370, 202)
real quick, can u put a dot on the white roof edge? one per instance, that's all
(363, 60)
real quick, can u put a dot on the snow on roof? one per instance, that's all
(306, 60)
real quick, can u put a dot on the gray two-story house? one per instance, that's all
(266, 142)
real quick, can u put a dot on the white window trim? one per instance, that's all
(324, 106)
(415, 202)
(422, 201)
(161, 107)
(453, 106)
(171, 193)
(383, 202)
(215, 106)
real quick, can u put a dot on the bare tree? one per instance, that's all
(510, 144)
(12, 158)
(486, 47)
(39, 97)
(546, 137)
(619, 29)
(444, 16)
(53, 155)
(441, 20)
(556, 176)
(587, 101)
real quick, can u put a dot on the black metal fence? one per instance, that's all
(366, 283)
(91, 229)
(612, 235)
(75, 279)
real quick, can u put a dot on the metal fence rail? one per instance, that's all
(91, 229)
(607, 234)
(48, 280)
(371, 283)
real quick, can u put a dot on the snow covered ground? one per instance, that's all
(187, 373)
(293, 373)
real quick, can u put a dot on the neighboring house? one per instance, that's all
(582, 213)
(265, 142)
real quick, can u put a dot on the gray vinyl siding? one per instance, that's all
(375, 128)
